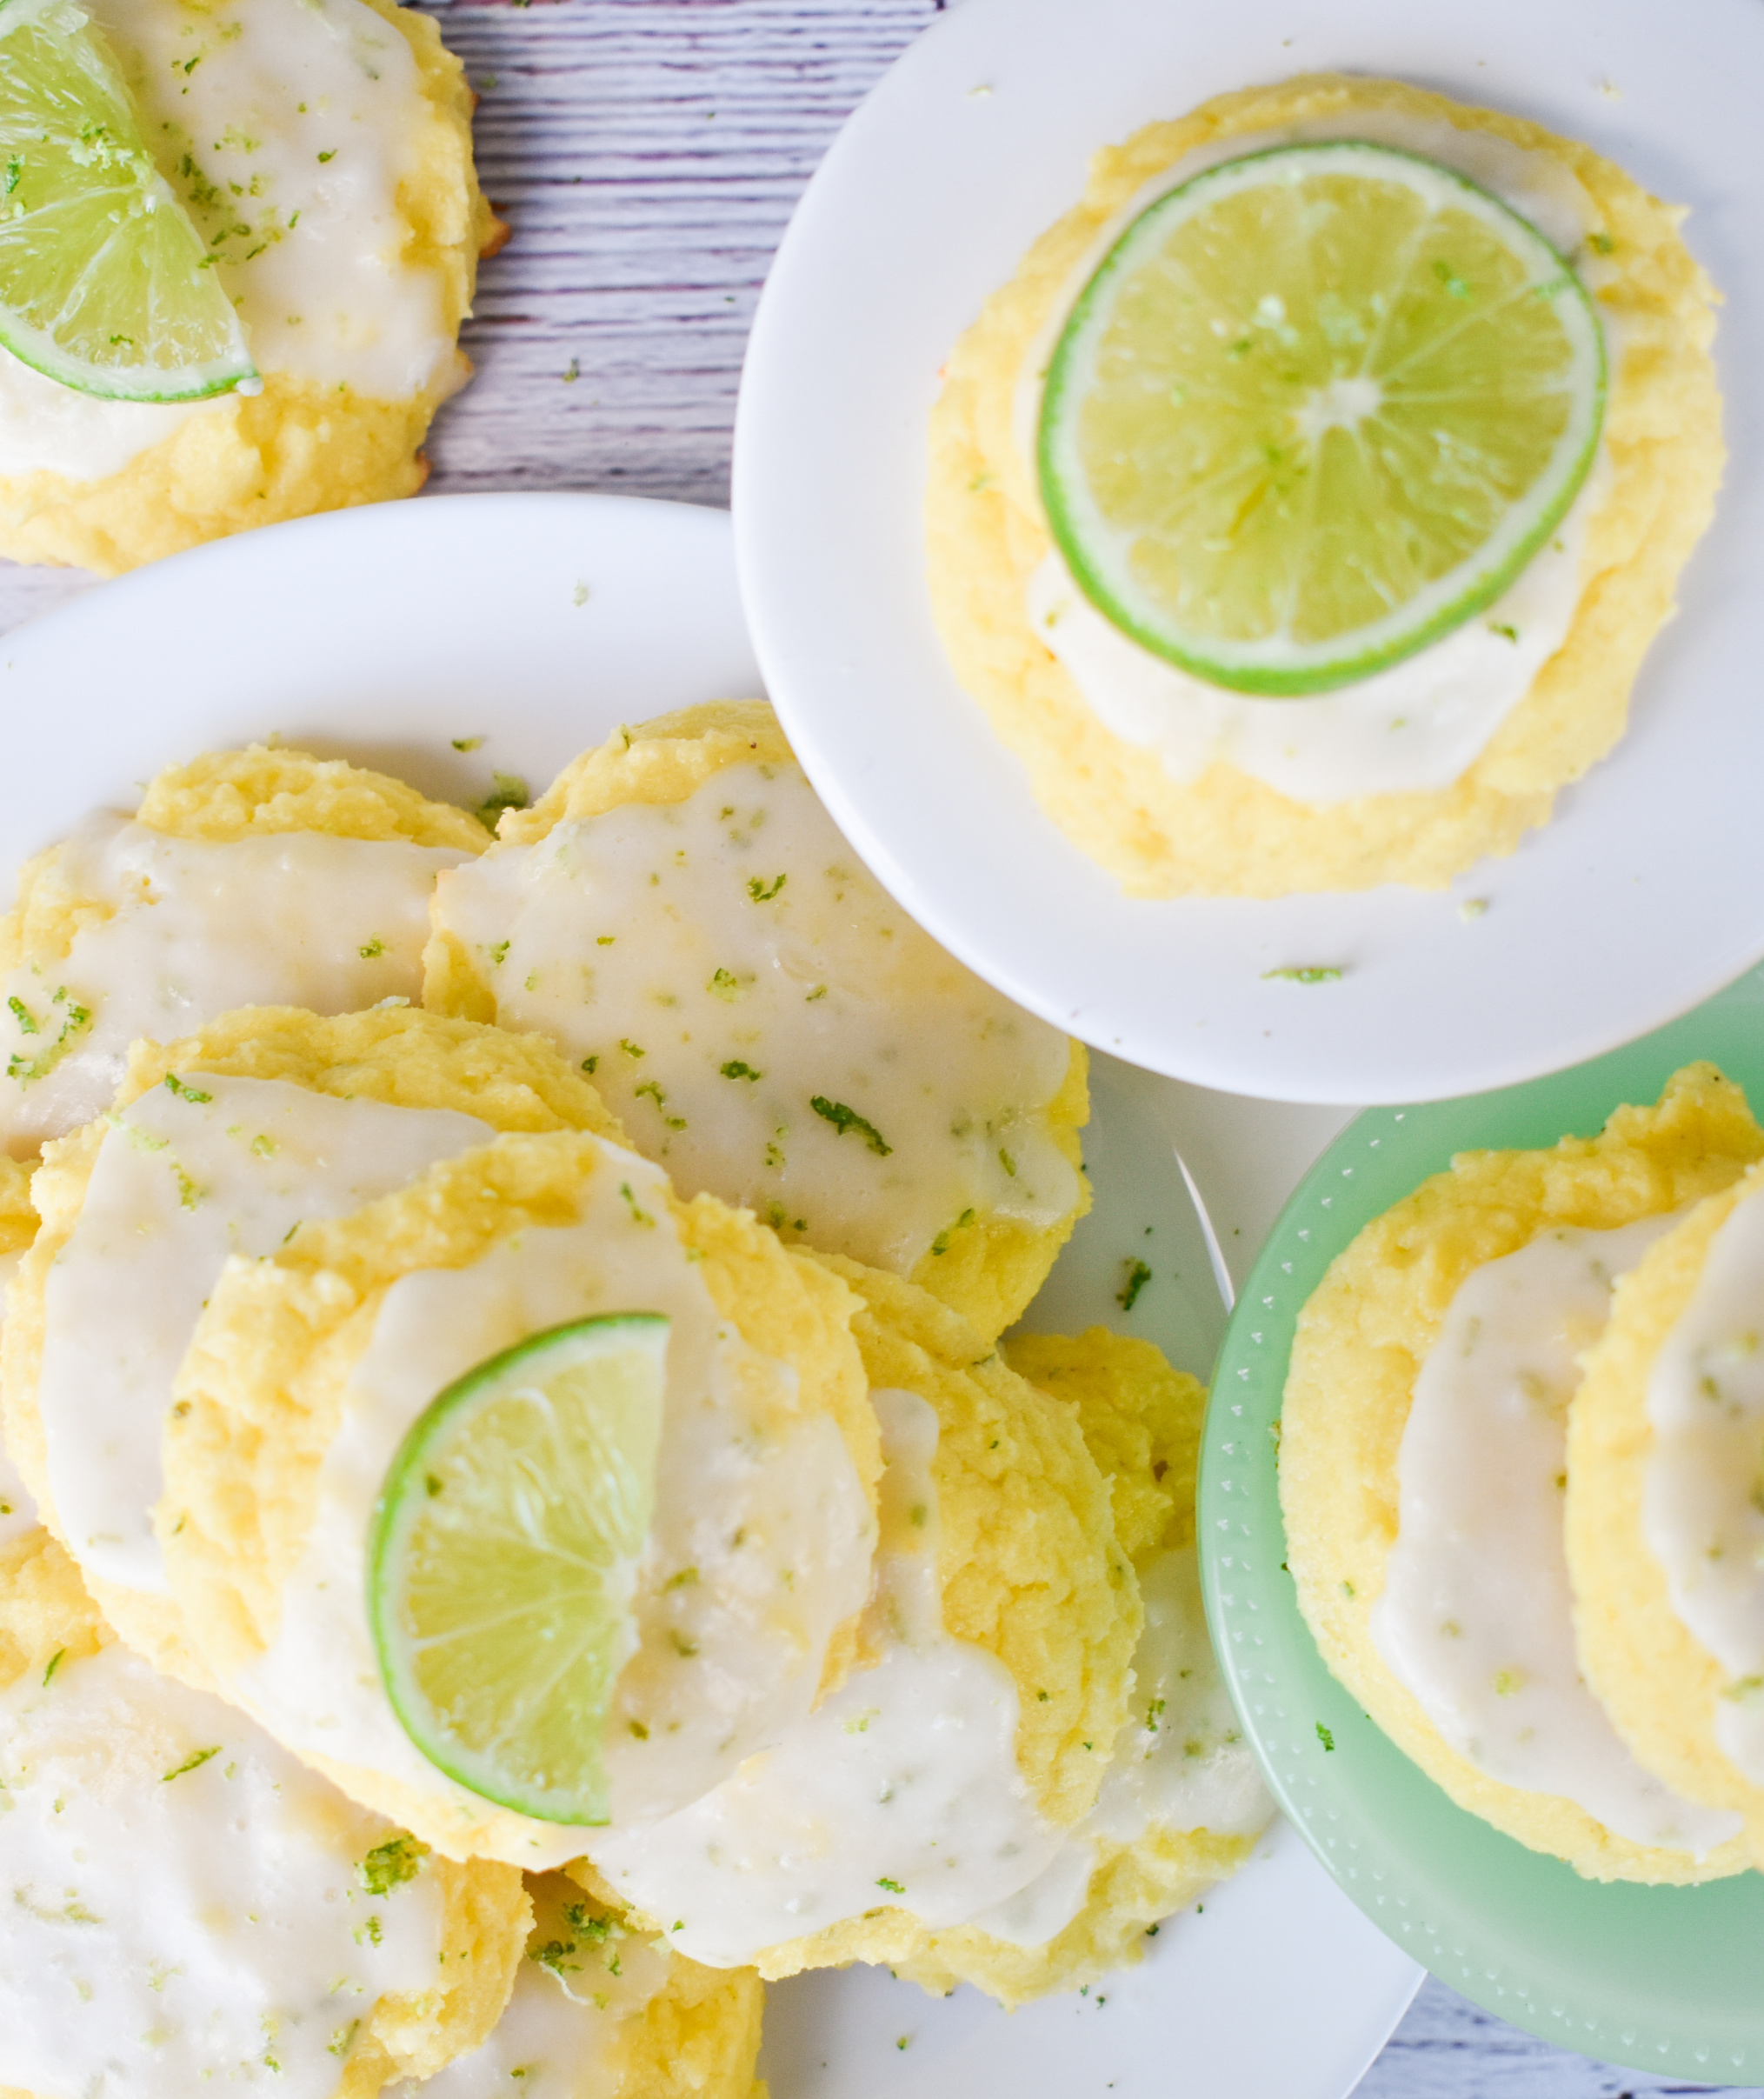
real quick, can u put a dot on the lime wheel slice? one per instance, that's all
(502, 1561)
(105, 282)
(1317, 407)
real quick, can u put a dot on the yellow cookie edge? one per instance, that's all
(300, 445)
(261, 1396)
(1660, 1684)
(48, 1618)
(397, 1055)
(1227, 833)
(224, 796)
(1360, 1340)
(989, 1272)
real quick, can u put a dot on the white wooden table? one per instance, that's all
(647, 154)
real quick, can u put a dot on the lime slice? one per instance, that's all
(1317, 407)
(105, 282)
(504, 1557)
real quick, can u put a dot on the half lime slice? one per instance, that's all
(1317, 407)
(502, 1561)
(105, 282)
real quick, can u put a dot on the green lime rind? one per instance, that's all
(106, 285)
(1275, 485)
(503, 1558)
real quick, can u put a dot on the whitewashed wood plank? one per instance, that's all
(1448, 2048)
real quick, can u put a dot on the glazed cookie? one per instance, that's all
(680, 915)
(1182, 788)
(603, 2010)
(221, 1144)
(260, 877)
(310, 1367)
(1423, 1469)
(1056, 1815)
(322, 149)
(1664, 1526)
(233, 1914)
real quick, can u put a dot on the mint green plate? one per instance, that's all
(1666, 1979)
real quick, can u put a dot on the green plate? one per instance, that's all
(1666, 1979)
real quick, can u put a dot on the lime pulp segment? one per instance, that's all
(1317, 407)
(502, 1561)
(105, 282)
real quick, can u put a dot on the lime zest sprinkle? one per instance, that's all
(652, 1088)
(1325, 1736)
(946, 1238)
(389, 1865)
(1304, 973)
(194, 1762)
(25, 1069)
(174, 1084)
(55, 1662)
(639, 1214)
(507, 790)
(1138, 1275)
(735, 1069)
(843, 1118)
(760, 893)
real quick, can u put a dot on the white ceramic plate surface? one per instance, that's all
(1640, 900)
(541, 623)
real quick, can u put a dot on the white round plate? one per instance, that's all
(1640, 900)
(541, 623)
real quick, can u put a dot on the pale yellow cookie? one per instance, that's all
(1661, 1687)
(300, 445)
(1227, 834)
(257, 792)
(987, 1266)
(49, 1629)
(1362, 1339)
(265, 1394)
(650, 2023)
(403, 1057)
(1141, 1422)
(1030, 1571)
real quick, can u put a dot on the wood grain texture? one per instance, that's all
(1446, 2048)
(647, 154)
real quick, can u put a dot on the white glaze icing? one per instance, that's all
(185, 1904)
(1702, 1491)
(557, 2037)
(1476, 1617)
(723, 961)
(763, 1504)
(1181, 1763)
(284, 126)
(181, 1183)
(1418, 725)
(195, 929)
